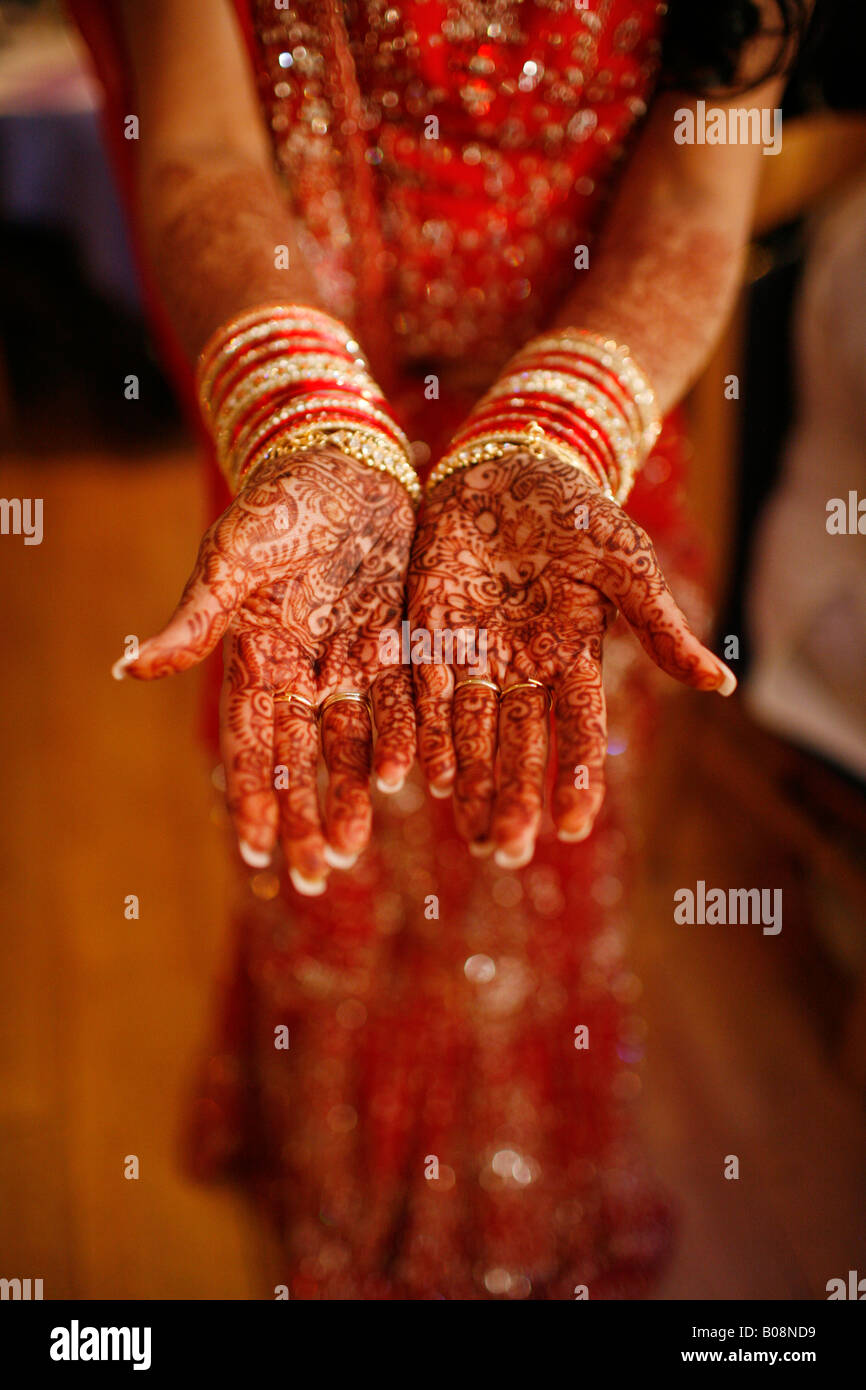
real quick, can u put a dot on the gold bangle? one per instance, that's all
(347, 438)
(323, 407)
(617, 359)
(259, 331)
(586, 397)
(285, 371)
(241, 362)
(626, 428)
(487, 448)
(599, 469)
(263, 321)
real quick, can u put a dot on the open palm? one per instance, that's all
(299, 576)
(530, 553)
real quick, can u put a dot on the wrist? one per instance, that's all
(283, 378)
(363, 446)
(578, 395)
(489, 446)
(322, 465)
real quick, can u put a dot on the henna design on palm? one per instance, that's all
(299, 576)
(498, 550)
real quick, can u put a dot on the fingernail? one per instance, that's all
(729, 682)
(440, 793)
(309, 887)
(256, 858)
(118, 670)
(514, 861)
(389, 788)
(573, 837)
(337, 860)
(481, 848)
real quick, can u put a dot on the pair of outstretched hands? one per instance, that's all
(313, 562)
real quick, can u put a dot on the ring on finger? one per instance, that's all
(529, 684)
(352, 696)
(479, 680)
(286, 697)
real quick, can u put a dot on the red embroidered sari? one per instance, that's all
(436, 1127)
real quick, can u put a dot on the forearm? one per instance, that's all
(665, 289)
(211, 213)
(662, 277)
(665, 269)
(213, 227)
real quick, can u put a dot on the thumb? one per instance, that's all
(218, 585)
(633, 581)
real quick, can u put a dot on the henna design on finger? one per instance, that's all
(433, 689)
(346, 744)
(246, 745)
(523, 747)
(531, 551)
(300, 573)
(296, 743)
(474, 720)
(394, 718)
(581, 747)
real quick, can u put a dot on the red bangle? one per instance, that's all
(577, 432)
(564, 415)
(233, 373)
(267, 314)
(262, 405)
(543, 363)
(320, 415)
(507, 424)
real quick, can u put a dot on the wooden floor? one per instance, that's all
(107, 793)
(750, 1035)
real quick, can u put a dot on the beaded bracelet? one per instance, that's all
(488, 446)
(366, 444)
(616, 361)
(281, 374)
(575, 394)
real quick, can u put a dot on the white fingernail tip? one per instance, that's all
(118, 670)
(389, 788)
(573, 837)
(256, 858)
(441, 793)
(729, 683)
(480, 848)
(308, 887)
(338, 860)
(514, 861)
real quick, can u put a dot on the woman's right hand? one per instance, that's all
(300, 576)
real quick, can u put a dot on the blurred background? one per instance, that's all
(755, 1043)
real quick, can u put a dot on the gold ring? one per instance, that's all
(479, 680)
(529, 684)
(353, 696)
(285, 697)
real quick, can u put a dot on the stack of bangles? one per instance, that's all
(573, 394)
(284, 378)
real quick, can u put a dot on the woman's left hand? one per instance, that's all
(531, 556)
